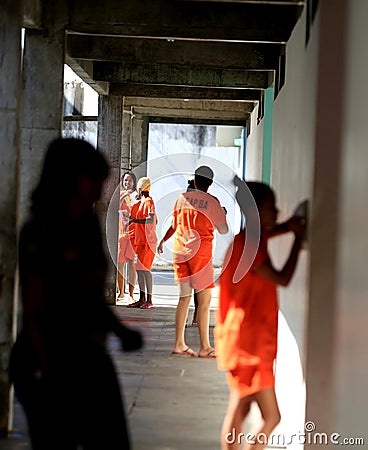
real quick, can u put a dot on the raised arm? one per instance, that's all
(282, 277)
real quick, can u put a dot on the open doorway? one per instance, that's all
(174, 151)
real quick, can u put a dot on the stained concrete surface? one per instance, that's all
(173, 402)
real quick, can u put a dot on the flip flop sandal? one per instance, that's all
(147, 306)
(210, 354)
(187, 351)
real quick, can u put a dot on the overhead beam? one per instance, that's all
(181, 76)
(32, 14)
(190, 114)
(256, 22)
(189, 105)
(84, 69)
(185, 120)
(209, 122)
(183, 92)
(178, 52)
(270, 2)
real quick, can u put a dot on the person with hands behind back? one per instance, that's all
(247, 319)
(144, 218)
(61, 370)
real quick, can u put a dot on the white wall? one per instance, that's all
(351, 361)
(292, 175)
(254, 149)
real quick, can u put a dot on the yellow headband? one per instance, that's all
(144, 184)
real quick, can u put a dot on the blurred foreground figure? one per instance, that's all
(61, 371)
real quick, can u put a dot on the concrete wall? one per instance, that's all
(351, 333)
(293, 158)
(292, 173)
(292, 176)
(254, 149)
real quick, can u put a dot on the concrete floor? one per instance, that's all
(177, 402)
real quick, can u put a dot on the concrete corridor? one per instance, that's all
(178, 402)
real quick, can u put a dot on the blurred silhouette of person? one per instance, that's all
(62, 373)
(126, 235)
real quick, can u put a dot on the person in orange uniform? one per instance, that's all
(196, 215)
(126, 236)
(252, 295)
(144, 218)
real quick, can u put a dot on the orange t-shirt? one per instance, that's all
(196, 215)
(144, 233)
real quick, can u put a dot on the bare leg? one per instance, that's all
(268, 406)
(204, 300)
(148, 283)
(232, 427)
(142, 290)
(181, 317)
(142, 286)
(120, 280)
(195, 314)
(132, 275)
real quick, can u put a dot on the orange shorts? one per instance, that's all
(249, 380)
(126, 250)
(197, 271)
(145, 256)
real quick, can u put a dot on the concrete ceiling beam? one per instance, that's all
(198, 105)
(190, 114)
(32, 14)
(178, 52)
(269, 2)
(161, 91)
(181, 76)
(84, 69)
(255, 22)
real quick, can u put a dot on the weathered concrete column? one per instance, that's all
(139, 145)
(109, 140)
(43, 70)
(10, 97)
(126, 157)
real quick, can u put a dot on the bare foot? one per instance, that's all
(137, 304)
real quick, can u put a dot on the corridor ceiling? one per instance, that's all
(222, 51)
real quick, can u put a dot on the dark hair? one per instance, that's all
(134, 178)
(66, 161)
(203, 176)
(260, 191)
(190, 186)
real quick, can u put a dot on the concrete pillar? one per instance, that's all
(43, 69)
(10, 97)
(109, 140)
(139, 145)
(126, 159)
(135, 141)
